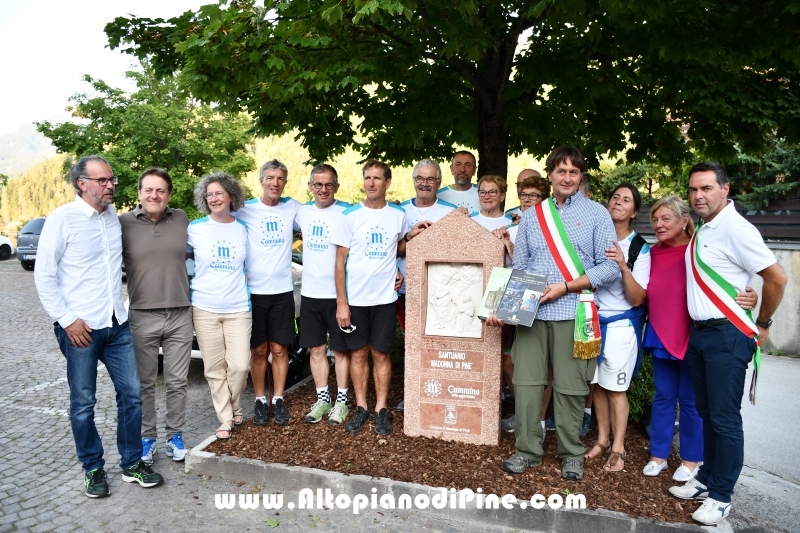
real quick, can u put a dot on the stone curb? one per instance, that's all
(273, 477)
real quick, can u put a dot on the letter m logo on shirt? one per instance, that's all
(316, 231)
(377, 238)
(223, 251)
(272, 226)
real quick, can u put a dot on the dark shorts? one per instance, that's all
(317, 321)
(273, 318)
(375, 326)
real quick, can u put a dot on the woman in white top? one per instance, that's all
(621, 308)
(220, 298)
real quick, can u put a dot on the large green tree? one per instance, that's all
(402, 79)
(157, 125)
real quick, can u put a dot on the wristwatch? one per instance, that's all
(764, 325)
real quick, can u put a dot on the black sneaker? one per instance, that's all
(95, 484)
(143, 474)
(261, 415)
(357, 421)
(281, 413)
(383, 424)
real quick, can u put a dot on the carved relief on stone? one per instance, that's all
(454, 297)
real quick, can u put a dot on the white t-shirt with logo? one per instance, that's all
(413, 215)
(372, 236)
(219, 284)
(319, 254)
(491, 223)
(468, 198)
(269, 244)
(610, 298)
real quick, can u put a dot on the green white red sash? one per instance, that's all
(723, 295)
(586, 339)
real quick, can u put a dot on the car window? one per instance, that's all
(33, 226)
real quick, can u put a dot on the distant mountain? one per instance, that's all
(24, 147)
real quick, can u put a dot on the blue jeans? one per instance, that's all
(673, 382)
(114, 348)
(718, 358)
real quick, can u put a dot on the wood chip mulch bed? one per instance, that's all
(448, 464)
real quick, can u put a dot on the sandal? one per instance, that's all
(597, 444)
(224, 432)
(613, 460)
(238, 419)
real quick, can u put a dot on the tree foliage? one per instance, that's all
(772, 175)
(34, 193)
(652, 81)
(157, 125)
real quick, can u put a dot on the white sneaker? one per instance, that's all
(175, 447)
(691, 490)
(653, 468)
(683, 474)
(711, 512)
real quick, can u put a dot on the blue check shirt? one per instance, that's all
(590, 230)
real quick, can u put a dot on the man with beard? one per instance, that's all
(462, 193)
(79, 278)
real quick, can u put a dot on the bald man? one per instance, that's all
(515, 212)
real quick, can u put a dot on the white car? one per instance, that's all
(6, 248)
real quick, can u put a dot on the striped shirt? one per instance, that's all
(589, 229)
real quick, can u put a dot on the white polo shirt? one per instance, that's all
(413, 215)
(734, 249)
(319, 254)
(269, 244)
(468, 198)
(372, 236)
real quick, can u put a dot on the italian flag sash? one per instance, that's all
(722, 294)
(586, 340)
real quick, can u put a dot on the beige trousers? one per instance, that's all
(224, 340)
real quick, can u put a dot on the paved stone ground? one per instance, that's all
(42, 482)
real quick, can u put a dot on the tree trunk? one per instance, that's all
(492, 143)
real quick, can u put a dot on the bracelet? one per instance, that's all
(567, 286)
(406, 237)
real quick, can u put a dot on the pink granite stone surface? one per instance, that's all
(448, 407)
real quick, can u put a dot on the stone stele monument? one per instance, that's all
(452, 369)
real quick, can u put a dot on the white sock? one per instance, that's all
(587, 410)
(341, 395)
(323, 394)
(276, 398)
(262, 399)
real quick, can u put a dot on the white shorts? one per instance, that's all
(619, 357)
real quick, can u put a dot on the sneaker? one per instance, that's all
(318, 410)
(282, 415)
(383, 424)
(175, 447)
(357, 421)
(711, 512)
(550, 423)
(95, 483)
(148, 449)
(683, 474)
(142, 474)
(587, 423)
(401, 406)
(572, 469)
(507, 424)
(261, 414)
(691, 490)
(338, 413)
(517, 464)
(653, 469)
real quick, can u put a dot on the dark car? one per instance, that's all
(28, 242)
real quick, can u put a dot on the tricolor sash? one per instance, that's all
(586, 339)
(723, 295)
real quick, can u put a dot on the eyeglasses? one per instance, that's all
(419, 180)
(572, 173)
(530, 195)
(103, 182)
(320, 186)
(215, 194)
(493, 192)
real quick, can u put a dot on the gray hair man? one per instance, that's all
(154, 251)
(79, 279)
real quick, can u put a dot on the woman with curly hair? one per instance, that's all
(220, 298)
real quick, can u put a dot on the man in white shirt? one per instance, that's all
(79, 278)
(462, 193)
(317, 220)
(366, 281)
(725, 253)
(270, 222)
